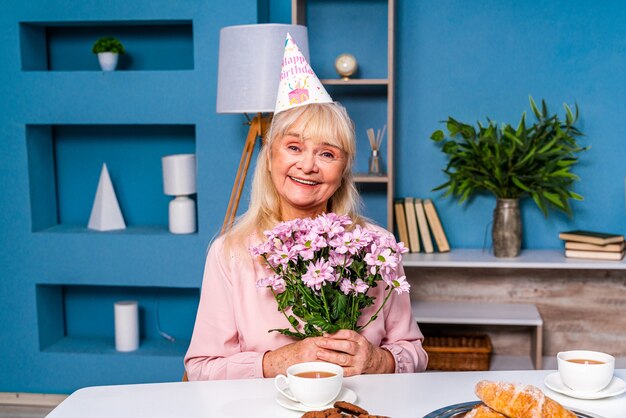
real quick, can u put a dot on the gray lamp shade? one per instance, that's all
(250, 61)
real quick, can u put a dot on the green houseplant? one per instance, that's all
(511, 163)
(108, 50)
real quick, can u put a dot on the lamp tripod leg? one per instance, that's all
(242, 171)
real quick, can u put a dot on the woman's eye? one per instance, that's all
(328, 155)
(293, 148)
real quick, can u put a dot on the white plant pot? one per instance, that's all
(108, 60)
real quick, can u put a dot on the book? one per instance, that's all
(591, 237)
(403, 232)
(411, 224)
(615, 248)
(435, 226)
(595, 255)
(422, 225)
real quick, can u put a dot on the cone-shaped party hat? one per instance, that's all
(298, 85)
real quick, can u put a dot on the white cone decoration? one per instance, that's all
(106, 214)
(298, 85)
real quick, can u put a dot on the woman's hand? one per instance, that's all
(354, 353)
(277, 361)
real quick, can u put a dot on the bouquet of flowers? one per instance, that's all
(323, 272)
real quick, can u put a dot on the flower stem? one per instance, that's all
(325, 304)
(379, 309)
(353, 312)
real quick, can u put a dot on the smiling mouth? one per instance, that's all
(301, 181)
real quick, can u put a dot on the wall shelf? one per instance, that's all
(65, 161)
(102, 345)
(528, 259)
(132, 230)
(66, 46)
(79, 318)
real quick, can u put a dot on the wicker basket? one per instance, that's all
(458, 352)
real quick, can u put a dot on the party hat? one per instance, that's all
(298, 84)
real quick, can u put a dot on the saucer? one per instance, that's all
(616, 387)
(346, 395)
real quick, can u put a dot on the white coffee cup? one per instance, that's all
(303, 385)
(585, 371)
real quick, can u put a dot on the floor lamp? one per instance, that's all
(250, 58)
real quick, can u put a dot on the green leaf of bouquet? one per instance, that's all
(293, 321)
(288, 333)
(338, 304)
(358, 267)
(307, 295)
(311, 331)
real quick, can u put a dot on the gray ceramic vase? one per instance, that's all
(507, 228)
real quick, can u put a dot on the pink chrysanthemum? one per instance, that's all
(317, 274)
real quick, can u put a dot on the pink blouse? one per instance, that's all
(231, 335)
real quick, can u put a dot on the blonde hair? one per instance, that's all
(329, 121)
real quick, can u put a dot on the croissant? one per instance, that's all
(483, 411)
(520, 401)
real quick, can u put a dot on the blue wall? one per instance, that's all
(467, 59)
(58, 124)
(483, 58)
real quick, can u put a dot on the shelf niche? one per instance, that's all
(66, 46)
(348, 26)
(80, 319)
(64, 165)
(367, 107)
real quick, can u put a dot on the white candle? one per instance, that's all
(126, 325)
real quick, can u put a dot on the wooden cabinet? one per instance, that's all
(365, 30)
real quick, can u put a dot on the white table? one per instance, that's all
(472, 313)
(398, 396)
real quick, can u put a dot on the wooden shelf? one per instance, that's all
(497, 314)
(528, 259)
(369, 96)
(356, 82)
(366, 178)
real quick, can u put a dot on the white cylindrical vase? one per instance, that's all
(179, 174)
(179, 179)
(182, 215)
(126, 325)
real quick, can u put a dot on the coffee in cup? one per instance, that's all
(585, 371)
(312, 384)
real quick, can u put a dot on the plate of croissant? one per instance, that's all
(509, 400)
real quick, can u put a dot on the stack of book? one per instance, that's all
(593, 245)
(417, 223)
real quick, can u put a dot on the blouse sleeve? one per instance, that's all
(403, 338)
(214, 351)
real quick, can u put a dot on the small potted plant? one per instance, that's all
(512, 163)
(108, 49)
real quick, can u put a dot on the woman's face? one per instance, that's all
(306, 173)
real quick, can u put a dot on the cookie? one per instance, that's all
(350, 408)
(326, 413)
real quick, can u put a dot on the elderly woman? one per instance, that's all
(303, 170)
